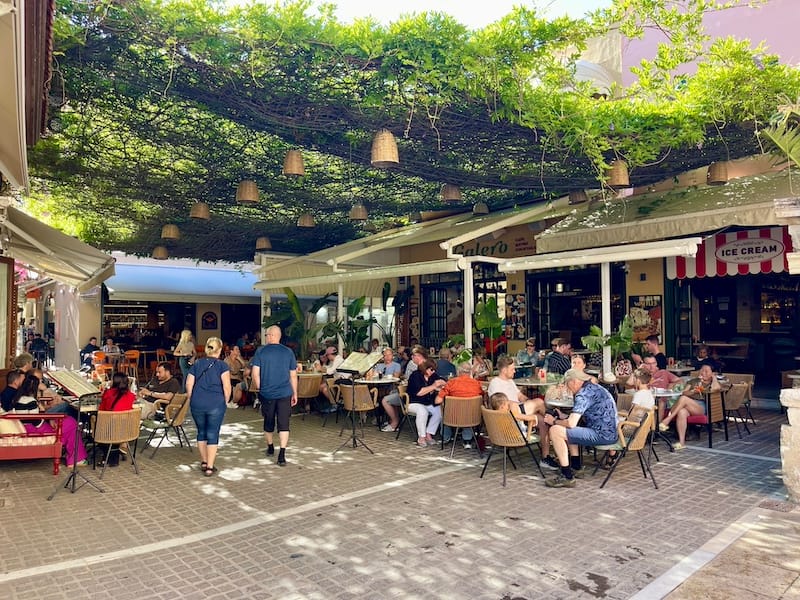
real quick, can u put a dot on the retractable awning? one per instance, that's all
(13, 159)
(148, 280)
(744, 202)
(50, 251)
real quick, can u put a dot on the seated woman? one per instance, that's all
(117, 397)
(236, 363)
(690, 403)
(423, 387)
(25, 402)
(481, 366)
(527, 420)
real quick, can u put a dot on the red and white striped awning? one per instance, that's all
(737, 253)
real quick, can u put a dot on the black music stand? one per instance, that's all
(71, 481)
(357, 364)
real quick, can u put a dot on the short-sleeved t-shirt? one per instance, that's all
(597, 406)
(390, 370)
(275, 362)
(506, 386)
(207, 392)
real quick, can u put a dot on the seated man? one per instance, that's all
(163, 386)
(528, 359)
(559, 361)
(13, 380)
(595, 404)
(659, 379)
(704, 358)
(88, 351)
(461, 386)
(444, 367)
(520, 404)
(651, 348)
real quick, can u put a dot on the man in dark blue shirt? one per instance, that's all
(13, 380)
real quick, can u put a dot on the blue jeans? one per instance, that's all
(208, 423)
(183, 363)
(466, 433)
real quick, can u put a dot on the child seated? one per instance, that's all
(523, 412)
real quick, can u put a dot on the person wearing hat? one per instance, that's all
(592, 402)
(528, 358)
(558, 361)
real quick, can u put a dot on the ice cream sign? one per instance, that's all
(749, 250)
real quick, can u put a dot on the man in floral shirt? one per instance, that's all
(592, 402)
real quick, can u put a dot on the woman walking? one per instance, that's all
(185, 353)
(208, 385)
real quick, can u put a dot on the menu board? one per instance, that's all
(359, 362)
(74, 382)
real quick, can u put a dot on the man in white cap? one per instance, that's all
(592, 402)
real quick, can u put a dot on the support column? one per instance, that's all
(790, 443)
(605, 311)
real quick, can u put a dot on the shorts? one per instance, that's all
(273, 410)
(585, 436)
(393, 399)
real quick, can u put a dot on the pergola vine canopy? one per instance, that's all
(156, 105)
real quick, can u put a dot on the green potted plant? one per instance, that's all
(488, 322)
(620, 342)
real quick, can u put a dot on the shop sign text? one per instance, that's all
(749, 250)
(479, 249)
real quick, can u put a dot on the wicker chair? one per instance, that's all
(749, 379)
(460, 413)
(357, 399)
(308, 390)
(633, 435)
(735, 401)
(114, 428)
(505, 433)
(175, 412)
(406, 416)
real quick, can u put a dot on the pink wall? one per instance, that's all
(774, 23)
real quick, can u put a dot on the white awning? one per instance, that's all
(50, 251)
(148, 280)
(13, 158)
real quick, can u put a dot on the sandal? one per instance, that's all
(203, 466)
(209, 471)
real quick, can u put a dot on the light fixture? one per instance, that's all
(170, 232)
(306, 220)
(293, 164)
(384, 150)
(200, 211)
(617, 175)
(160, 253)
(480, 208)
(717, 173)
(247, 191)
(451, 193)
(559, 287)
(358, 212)
(263, 244)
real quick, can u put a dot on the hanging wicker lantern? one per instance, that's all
(578, 197)
(717, 173)
(306, 221)
(617, 174)
(293, 164)
(170, 232)
(263, 244)
(358, 212)
(384, 150)
(200, 211)
(480, 208)
(160, 253)
(247, 191)
(451, 193)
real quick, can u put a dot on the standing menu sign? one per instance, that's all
(645, 312)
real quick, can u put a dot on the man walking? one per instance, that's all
(274, 373)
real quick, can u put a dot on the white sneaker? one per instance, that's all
(467, 445)
(232, 405)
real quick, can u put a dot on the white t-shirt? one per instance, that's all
(644, 398)
(506, 386)
(331, 367)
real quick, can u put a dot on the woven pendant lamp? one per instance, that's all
(160, 253)
(247, 191)
(306, 221)
(480, 208)
(717, 173)
(263, 244)
(384, 150)
(617, 174)
(170, 232)
(200, 211)
(293, 164)
(578, 197)
(451, 193)
(358, 212)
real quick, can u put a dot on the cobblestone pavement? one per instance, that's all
(405, 522)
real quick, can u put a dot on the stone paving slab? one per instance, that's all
(402, 523)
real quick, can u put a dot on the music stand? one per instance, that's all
(72, 479)
(357, 364)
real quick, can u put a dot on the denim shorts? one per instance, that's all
(585, 436)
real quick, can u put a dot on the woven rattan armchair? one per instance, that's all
(505, 433)
(117, 428)
(357, 399)
(460, 413)
(634, 436)
(175, 414)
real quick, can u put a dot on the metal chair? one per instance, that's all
(175, 413)
(130, 363)
(505, 433)
(735, 401)
(750, 380)
(460, 413)
(407, 416)
(633, 435)
(114, 428)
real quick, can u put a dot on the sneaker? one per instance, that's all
(270, 450)
(233, 405)
(678, 446)
(548, 462)
(580, 473)
(467, 445)
(388, 427)
(560, 481)
(662, 427)
(282, 458)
